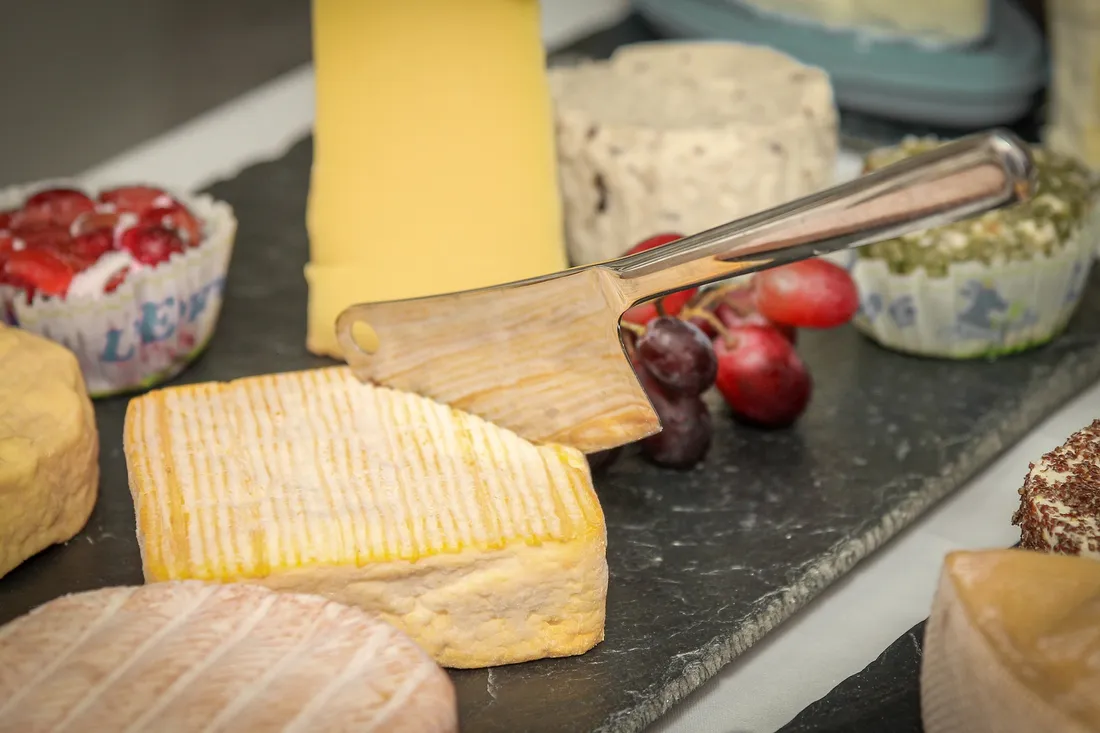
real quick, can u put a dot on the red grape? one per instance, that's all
(602, 460)
(730, 318)
(761, 377)
(808, 294)
(686, 428)
(678, 355)
(672, 303)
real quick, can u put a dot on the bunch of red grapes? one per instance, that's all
(738, 337)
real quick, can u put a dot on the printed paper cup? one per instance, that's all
(151, 327)
(975, 310)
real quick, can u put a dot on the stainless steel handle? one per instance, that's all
(957, 180)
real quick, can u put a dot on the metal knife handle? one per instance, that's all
(957, 180)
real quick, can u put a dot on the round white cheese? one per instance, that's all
(192, 656)
(682, 137)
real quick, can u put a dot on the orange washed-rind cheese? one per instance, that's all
(484, 548)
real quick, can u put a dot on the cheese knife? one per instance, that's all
(544, 356)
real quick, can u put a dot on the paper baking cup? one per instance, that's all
(975, 310)
(155, 324)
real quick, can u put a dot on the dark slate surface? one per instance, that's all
(883, 698)
(702, 563)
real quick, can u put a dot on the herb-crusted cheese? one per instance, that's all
(1063, 201)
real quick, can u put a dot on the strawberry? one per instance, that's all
(88, 248)
(176, 217)
(135, 199)
(39, 269)
(58, 206)
(151, 245)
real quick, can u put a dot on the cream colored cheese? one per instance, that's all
(1013, 645)
(49, 447)
(482, 547)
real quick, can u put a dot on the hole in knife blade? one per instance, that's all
(364, 337)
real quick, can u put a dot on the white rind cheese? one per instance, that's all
(683, 137)
(191, 657)
(1013, 645)
(940, 22)
(49, 447)
(482, 547)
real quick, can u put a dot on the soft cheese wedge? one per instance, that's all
(191, 657)
(1013, 645)
(49, 447)
(481, 546)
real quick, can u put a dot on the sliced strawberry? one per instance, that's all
(5, 219)
(137, 199)
(88, 248)
(40, 269)
(175, 217)
(44, 236)
(151, 245)
(59, 206)
(116, 280)
(92, 221)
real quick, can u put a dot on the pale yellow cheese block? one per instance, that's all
(434, 164)
(485, 549)
(49, 447)
(193, 657)
(1013, 645)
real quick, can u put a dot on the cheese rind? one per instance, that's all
(49, 446)
(1013, 645)
(188, 657)
(434, 166)
(1074, 99)
(684, 137)
(482, 547)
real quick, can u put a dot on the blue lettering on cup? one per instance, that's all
(111, 352)
(156, 325)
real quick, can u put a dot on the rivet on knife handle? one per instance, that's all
(543, 356)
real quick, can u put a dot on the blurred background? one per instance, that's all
(91, 80)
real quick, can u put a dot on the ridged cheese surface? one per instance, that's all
(485, 548)
(1013, 645)
(190, 657)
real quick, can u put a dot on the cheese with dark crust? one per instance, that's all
(1060, 499)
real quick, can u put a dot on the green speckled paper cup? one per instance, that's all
(154, 324)
(974, 310)
(996, 284)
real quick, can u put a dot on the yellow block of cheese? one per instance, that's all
(484, 548)
(49, 447)
(434, 167)
(1013, 645)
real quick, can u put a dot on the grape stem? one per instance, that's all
(706, 315)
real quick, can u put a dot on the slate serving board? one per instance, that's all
(883, 698)
(702, 563)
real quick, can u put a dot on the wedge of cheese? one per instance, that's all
(433, 160)
(190, 657)
(482, 547)
(1013, 645)
(49, 447)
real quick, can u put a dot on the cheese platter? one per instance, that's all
(703, 563)
(434, 496)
